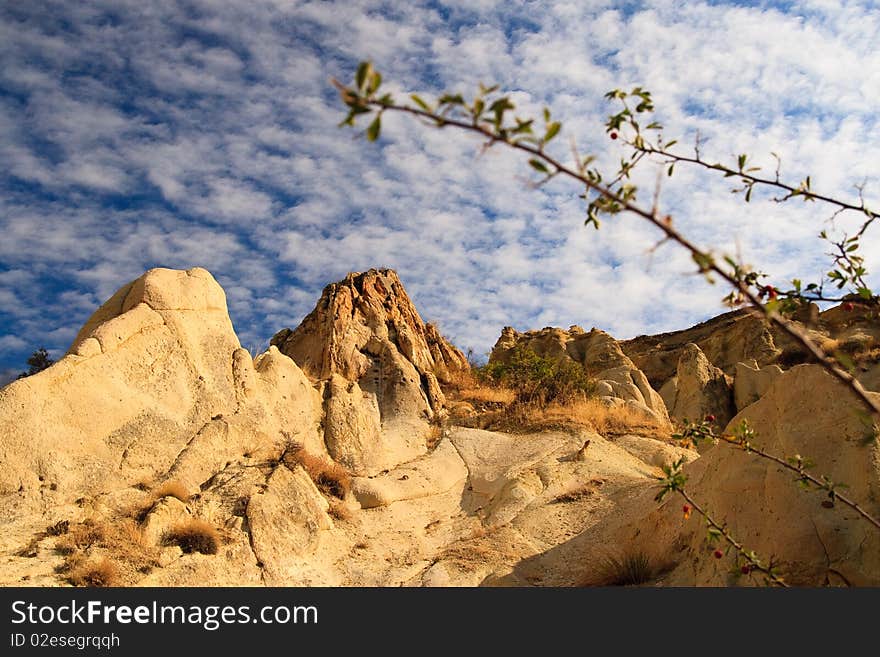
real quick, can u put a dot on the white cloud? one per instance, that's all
(172, 138)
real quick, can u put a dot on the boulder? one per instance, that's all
(431, 474)
(285, 522)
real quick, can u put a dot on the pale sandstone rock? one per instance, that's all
(165, 514)
(805, 411)
(382, 363)
(156, 388)
(432, 474)
(655, 452)
(285, 522)
(698, 389)
(751, 382)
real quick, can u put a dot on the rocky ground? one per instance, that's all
(357, 452)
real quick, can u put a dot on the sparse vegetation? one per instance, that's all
(592, 414)
(171, 488)
(37, 362)
(575, 495)
(338, 510)
(632, 569)
(538, 379)
(120, 541)
(194, 535)
(330, 477)
(98, 573)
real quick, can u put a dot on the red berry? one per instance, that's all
(848, 307)
(613, 135)
(710, 418)
(718, 554)
(686, 508)
(746, 569)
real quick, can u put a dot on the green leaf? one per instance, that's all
(552, 131)
(374, 83)
(421, 103)
(374, 128)
(501, 105)
(671, 143)
(865, 293)
(537, 165)
(363, 70)
(479, 106)
(451, 99)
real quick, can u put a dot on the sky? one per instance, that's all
(204, 133)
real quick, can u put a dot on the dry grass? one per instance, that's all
(193, 536)
(590, 414)
(830, 345)
(464, 385)
(574, 495)
(121, 539)
(330, 477)
(478, 394)
(171, 489)
(435, 435)
(97, 573)
(631, 569)
(338, 510)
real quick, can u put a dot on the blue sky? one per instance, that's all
(178, 134)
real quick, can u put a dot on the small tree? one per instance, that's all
(38, 361)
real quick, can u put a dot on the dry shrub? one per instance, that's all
(122, 539)
(435, 435)
(330, 477)
(101, 572)
(830, 345)
(171, 489)
(631, 569)
(475, 387)
(338, 510)
(59, 528)
(574, 495)
(193, 536)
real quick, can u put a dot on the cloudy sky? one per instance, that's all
(141, 134)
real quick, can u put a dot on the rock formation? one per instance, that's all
(813, 540)
(383, 365)
(155, 383)
(699, 389)
(161, 445)
(752, 381)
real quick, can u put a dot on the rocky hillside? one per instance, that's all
(159, 452)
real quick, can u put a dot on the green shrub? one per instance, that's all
(541, 379)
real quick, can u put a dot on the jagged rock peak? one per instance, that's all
(363, 309)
